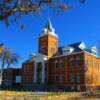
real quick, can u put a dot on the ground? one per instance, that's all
(14, 95)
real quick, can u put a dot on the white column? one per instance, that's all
(43, 72)
(35, 72)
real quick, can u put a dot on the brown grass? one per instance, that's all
(13, 95)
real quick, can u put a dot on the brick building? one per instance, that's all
(70, 67)
(11, 77)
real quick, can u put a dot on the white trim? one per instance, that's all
(92, 54)
(43, 59)
(49, 33)
(67, 54)
(76, 53)
(35, 72)
(39, 58)
(82, 46)
(43, 72)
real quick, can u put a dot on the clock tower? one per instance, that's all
(48, 40)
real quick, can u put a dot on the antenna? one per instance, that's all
(48, 14)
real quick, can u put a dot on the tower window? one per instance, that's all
(52, 50)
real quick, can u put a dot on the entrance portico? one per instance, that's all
(39, 68)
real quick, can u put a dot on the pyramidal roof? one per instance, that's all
(49, 25)
(48, 29)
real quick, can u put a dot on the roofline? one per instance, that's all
(76, 53)
(55, 35)
(66, 55)
(70, 44)
(92, 54)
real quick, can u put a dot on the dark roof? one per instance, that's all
(49, 25)
(74, 45)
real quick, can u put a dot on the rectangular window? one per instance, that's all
(56, 78)
(61, 78)
(52, 50)
(78, 87)
(43, 46)
(18, 79)
(9, 77)
(78, 60)
(72, 62)
(61, 63)
(72, 87)
(66, 52)
(56, 64)
(71, 78)
(78, 78)
(86, 62)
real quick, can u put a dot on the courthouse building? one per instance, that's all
(71, 67)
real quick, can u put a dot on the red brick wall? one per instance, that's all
(70, 65)
(66, 70)
(12, 72)
(27, 73)
(92, 64)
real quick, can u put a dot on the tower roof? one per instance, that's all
(48, 29)
(49, 25)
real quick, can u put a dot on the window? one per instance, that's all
(72, 87)
(61, 78)
(78, 87)
(78, 59)
(43, 43)
(23, 78)
(61, 63)
(72, 62)
(72, 59)
(52, 50)
(18, 79)
(95, 64)
(43, 46)
(71, 77)
(66, 51)
(86, 62)
(78, 78)
(56, 78)
(56, 64)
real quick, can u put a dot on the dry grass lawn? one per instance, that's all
(14, 95)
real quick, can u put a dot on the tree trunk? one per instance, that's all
(2, 68)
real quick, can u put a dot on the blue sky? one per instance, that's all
(80, 24)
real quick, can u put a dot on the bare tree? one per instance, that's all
(8, 57)
(16, 8)
(13, 58)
